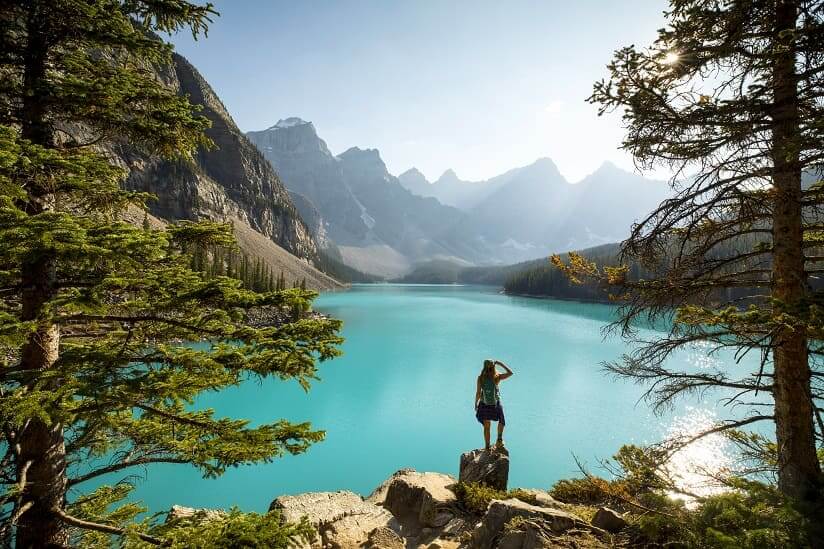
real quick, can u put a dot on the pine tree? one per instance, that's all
(730, 95)
(90, 382)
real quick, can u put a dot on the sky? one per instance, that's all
(476, 86)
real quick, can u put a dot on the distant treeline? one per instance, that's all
(331, 263)
(254, 273)
(544, 279)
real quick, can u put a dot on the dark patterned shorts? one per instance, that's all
(490, 412)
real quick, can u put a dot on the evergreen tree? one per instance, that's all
(731, 92)
(92, 382)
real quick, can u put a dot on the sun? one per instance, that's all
(671, 58)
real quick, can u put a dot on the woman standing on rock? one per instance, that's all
(488, 400)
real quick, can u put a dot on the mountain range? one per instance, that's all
(386, 225)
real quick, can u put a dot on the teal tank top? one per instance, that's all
(489, 392)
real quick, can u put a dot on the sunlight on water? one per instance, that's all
(695, 467)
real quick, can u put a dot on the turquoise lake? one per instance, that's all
(402, 396)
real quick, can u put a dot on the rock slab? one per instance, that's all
(421, 500)
(609, 520)
(502, 511)
(487, 467)
(343, 519)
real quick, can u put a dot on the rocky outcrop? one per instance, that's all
(500, 512)
(179, 512)
(487, 467)
(343, 519)
(419, 510)
(609, 520)
(421, 500)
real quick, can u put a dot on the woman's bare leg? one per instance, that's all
(486, 434)
(500, 434)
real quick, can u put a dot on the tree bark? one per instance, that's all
(799, 472)
(41, 443)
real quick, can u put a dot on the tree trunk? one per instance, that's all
(799, 472)
(41, 459)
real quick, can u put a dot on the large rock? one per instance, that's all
(343, 519)
(543, 499)
(385, 538)
(378, 496)
(421, 500)
(501, 512)
(609, 520)
(489, 467)
(354, 530)
(178, 512)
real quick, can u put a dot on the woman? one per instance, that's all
(488, 400)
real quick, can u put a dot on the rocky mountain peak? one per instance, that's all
(293, 135)
(448, 177)
(414, 173)
(290, 122)
(363, 158)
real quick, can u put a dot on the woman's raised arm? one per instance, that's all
(505, 367)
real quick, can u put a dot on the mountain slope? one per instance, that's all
(231, 182)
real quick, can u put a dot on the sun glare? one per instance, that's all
(671, 58)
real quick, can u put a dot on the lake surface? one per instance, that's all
(402, 396)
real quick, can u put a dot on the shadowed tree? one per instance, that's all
(729, 97)
(94, 379)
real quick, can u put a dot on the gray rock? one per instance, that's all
(488, 467)
(543, 498)
(354, 530)
(385, 538)
(343, 519)
(181, 512)
(421, 500)
(378, 496)
(502, 511)
(454, 528)
(320, 507)
(609, 520)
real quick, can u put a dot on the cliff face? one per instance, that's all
(230, 182)
(308, 168)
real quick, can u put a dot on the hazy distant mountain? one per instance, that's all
(534, 210)
(378, 225)
(449, 189)
(385, 225)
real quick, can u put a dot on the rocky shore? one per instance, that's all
(425, 510)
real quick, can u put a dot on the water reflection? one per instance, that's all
(696, 467)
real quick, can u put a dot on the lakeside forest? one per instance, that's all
(152, 252)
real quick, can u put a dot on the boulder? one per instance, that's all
(488, 467)
(385, 538)
(543, 499)
(320, 507)
(421, 500)
(378, 496)
(181, 512)
(353, 531)
(609, 520)
(501, 512)
(343, 519)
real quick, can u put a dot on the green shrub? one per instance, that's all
(476, 497)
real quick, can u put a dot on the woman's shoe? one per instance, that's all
(500, 444)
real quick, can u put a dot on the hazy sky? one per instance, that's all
(477, 86)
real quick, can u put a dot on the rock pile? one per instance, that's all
(419, 510)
